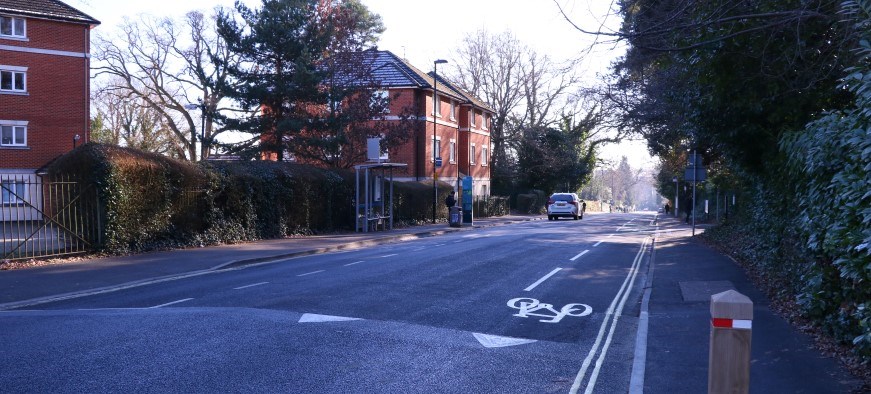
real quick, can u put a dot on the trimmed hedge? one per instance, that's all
(148, 201)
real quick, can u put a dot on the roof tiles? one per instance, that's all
(48, 9)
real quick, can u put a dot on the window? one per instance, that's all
(380, 100)
(13, 191)
(437, 106)
(484, 121)
(472, 118)
(472, 154)
(11, 27)
(437, 145)
(452, 157)
(13, 133)
(453, 109)
(13, 79)
(483, 155)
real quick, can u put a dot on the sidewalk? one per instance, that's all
(685, 273)
(32, 286)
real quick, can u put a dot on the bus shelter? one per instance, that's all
(372, 210)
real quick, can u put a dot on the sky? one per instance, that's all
(422, 31)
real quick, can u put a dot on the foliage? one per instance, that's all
(557, 159)
(148, 77)
(150, 201)
(755, 87)
(306, 86)
(830, 161)
(141, 194)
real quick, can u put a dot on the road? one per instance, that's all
(535, 307)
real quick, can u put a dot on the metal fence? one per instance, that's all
(41, 218)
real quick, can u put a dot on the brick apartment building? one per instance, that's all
(460, 126)
(44, 87)
(461, 131)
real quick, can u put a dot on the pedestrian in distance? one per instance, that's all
(667, 208)
(450, 201)
(583, 208)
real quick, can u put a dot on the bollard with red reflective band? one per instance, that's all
(731, 332)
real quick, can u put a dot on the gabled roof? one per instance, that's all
(390, 71)
(46, 9)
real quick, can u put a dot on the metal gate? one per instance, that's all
(42, 218)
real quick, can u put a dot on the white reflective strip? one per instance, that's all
(745, 324)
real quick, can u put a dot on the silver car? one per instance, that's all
(564, 205)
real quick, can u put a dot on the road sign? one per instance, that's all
(697, 174)
(438, 162)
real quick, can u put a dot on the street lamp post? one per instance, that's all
(435, 111)
(202, 108)
(674, 179)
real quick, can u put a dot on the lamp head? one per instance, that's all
(440, 61)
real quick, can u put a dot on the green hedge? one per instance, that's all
(148, 201)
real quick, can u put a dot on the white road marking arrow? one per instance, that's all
(315, 318)
(497, 341)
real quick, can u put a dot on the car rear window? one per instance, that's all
(562, 197)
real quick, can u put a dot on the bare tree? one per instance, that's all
(130, 121)
(522, 86)
(162, 62)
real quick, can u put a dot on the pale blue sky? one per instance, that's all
(410, 25)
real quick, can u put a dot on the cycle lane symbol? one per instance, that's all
(529, 307)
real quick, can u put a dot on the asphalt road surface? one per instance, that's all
(535, 307)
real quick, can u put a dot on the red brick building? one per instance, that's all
(460, 126)
(44, 84)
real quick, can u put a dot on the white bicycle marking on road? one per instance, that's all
(529, 305)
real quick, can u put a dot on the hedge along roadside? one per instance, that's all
(149, 201)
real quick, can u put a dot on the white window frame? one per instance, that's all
(13, 125)
(452, 155)
(438, 148)
(437, 105)
(453, 109)
(19, 187)
(484, 158)
(15, 21)
(471, 118)
(483, 121)
(472, 154)
(12, 71)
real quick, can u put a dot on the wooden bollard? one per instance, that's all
(731, 331)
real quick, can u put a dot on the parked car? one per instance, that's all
(564, 205)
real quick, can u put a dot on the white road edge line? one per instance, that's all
(311, 273)
(251, 285)
(636, 378)
(544, 278)
(611, 317)
(170, 303)
(356, 262)
(595, 374)
(390, 255)
(579, 255)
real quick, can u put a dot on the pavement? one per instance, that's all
(675, 313)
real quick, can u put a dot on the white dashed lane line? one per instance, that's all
(579, 255)
(251, 285)
(171, 303)
(544, 278)
(356, 262)
(312, 273)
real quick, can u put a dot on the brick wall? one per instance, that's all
(57, 101)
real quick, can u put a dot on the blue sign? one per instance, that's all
(467, 199)
(438, 162)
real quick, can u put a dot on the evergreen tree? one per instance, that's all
(302, 82)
